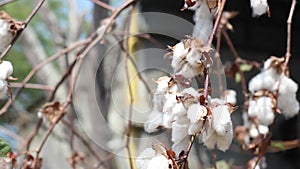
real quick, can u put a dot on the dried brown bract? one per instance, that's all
(53, 111)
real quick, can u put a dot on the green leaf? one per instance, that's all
(4, 148)
(238, 77)
(245, 67)
(278, 145)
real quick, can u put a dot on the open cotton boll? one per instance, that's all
(5, 36)
(154, 121)
(179, 109)
(288, 104)
(221, 120)
(6, 70)
(263, 129)
(287, 85)
(256, 131)
(259, 7)
(158, 162)
(191, 91)
(180, 137)
(3, 88)
(195, 128)
(158, 100)
(211, 139)
(170, 102)
(230, 96)
(224, 142)
(196, 112)
(262, 108)
(264, 80)
(179, 53)
(142, 161)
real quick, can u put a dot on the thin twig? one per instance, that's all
(45, 138)
(32, 135)
(103, 5)
(237, 60)
(32, 86)
(37, 68)
(6, 2)
(85, 143)
(217, 22)
(289, 35)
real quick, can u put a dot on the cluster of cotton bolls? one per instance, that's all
(190, 57)
(271, 80)
(6, 70)
(186, 114)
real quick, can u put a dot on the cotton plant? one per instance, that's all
(272, 79)
(188, 111)
(184, 109)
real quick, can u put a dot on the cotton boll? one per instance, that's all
(168, 119)
(221, 120)
(217, 101)
(158, 162)
(259, 7)
(158, 100)
(253, 132)
(191, 91)
(6, 70)
(195, 128)
(180, 137)
(154, 121)
(264, 80)
(169, 103)
(196, 112)
(182, 120)
(287, 85)
(224, 142)
(179, 53)
(263, 129)
(142, 161)
(5, 36)
(209, 138)
(288, 104)
(230, 96)
(3, 88)
(262, 109)
(179, 109)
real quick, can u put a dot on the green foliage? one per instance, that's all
(4, 148)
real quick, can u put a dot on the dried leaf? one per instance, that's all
(53, 111)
